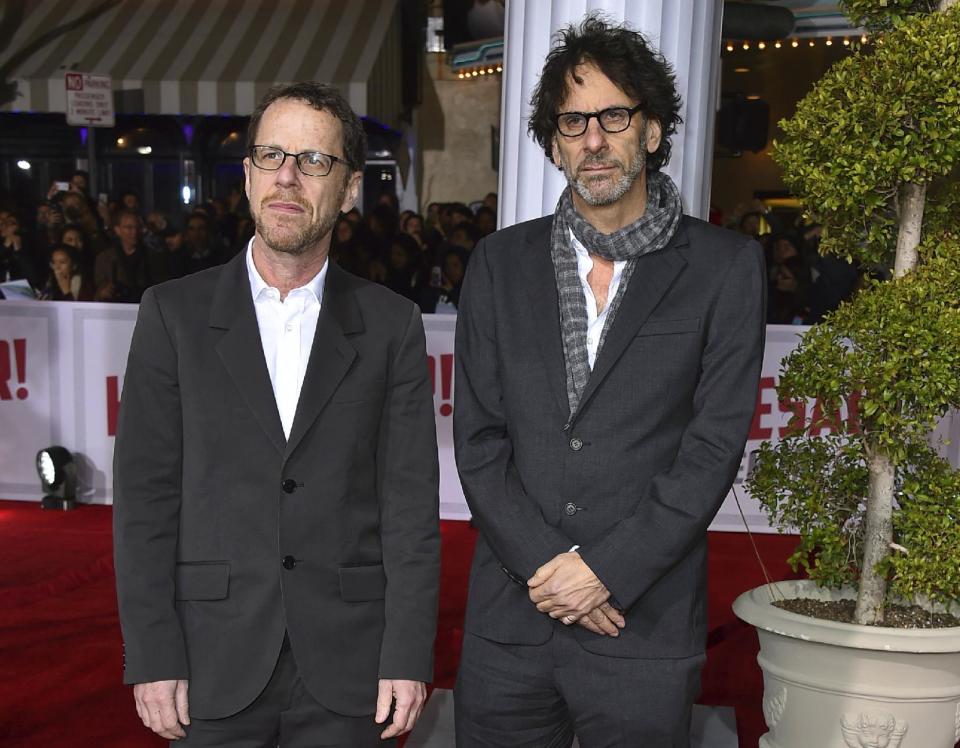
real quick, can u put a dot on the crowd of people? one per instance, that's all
(74, 248)
(71, 247)
(422, 257)
(803, 285)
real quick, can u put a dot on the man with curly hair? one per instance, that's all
(608, 358)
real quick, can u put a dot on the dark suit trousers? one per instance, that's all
(539, 696)
(285, 715)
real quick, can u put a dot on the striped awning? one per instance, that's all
(191, 56)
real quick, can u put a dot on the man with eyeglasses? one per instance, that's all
(608, 358)
(276, 482)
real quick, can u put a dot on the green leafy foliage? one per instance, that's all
(927, 527)
(815, 486)
(878, 120)
(885, 14)
(873, 122)
(892, 343)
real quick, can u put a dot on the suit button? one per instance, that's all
(576, 444)
(289, 562)
(569, 509)
(289, 485)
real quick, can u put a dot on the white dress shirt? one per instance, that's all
(595, 322)
(286, 333)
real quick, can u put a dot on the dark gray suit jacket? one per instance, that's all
(653, 450)
(210, 499)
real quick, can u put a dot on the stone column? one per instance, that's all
(687, 33)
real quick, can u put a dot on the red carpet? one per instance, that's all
(60, 656)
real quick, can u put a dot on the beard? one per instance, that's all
(292, 238)
(604, 190)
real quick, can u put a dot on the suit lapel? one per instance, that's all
(331, 354)
(544, 309)
(240, 348)
(651, 279)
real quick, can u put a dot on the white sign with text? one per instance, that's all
(89, 99)
(61, 374)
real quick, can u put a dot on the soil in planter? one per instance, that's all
(895, 616)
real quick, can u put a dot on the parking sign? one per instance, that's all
(89, 99)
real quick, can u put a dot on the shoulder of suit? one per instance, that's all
(374, 295)
(194, 288)
(514, 236)
(712, 243)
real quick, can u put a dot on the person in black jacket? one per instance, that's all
(18, 261)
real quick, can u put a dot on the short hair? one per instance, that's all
(461, 210)
(199, 215)
(468, 230)
(121, 212)
(323, 98)
(75, 227)
(627, 59)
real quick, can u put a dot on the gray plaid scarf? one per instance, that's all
(649, 233)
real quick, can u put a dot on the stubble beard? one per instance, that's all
(282, 239)
(601, 190)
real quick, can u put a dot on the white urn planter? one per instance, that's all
(839, 685)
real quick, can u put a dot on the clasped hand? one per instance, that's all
(566, 588)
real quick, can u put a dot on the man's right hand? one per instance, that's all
(162, 706)
(604, 620)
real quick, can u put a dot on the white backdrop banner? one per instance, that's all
(61, 374)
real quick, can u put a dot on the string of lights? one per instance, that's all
(732, 45)
(477, 72)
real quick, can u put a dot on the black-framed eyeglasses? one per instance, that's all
(310, 163)
(614, 119)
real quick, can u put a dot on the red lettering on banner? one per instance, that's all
(446, 380)
(113, 404)
(756, 430)
(18, 368)
(5, 371)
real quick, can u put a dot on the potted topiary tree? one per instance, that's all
(874, 153)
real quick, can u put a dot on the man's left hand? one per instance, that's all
(410, 696)
(566, 587)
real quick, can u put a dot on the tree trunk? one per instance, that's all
(878, 534)
(912, 200)
(876, 538)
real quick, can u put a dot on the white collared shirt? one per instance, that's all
(595, 322)
(286, 333)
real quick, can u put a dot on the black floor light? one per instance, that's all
(58, 478)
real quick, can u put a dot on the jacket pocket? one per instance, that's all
(362, 583)
(206, 580)
(669, 326)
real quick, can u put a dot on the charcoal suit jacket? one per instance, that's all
(638, 474)
(227, 535)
